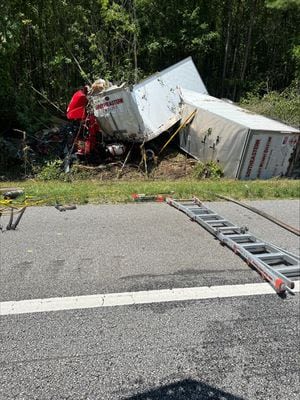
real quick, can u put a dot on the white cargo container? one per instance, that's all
(151, 107)
(247, 145)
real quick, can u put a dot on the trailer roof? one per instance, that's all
(183, 74)
(234, 113)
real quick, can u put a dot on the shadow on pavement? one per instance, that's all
(187, 389)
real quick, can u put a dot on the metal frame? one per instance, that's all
(12, 211)
(275, 265)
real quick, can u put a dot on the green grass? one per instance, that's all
(95, 192)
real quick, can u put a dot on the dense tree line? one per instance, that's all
(55, 46)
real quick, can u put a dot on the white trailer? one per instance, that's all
(247, 145)
(143, 112)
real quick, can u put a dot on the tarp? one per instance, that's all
(246, 145)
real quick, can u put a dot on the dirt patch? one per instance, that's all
(174, 166)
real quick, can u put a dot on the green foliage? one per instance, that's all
(51, 171)
(42, 45)
(296, 58)
(284, 106)
(210, 169)
(283, 4)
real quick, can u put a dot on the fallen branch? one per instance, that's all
(101, 167)
(49, 101)
(126, 159)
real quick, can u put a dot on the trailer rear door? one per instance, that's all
(268, 154)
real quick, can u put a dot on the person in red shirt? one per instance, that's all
(77, 107)
(89, 130)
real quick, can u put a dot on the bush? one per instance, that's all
(54, 170)
(283, 106)
(51, 171)
(211, 169)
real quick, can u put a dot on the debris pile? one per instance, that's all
(174, 166)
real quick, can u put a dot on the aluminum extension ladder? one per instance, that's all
(275, 265)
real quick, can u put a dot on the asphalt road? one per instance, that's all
(236, 348)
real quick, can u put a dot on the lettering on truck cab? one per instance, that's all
(109, 105)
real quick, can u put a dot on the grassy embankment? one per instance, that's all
(95, 192)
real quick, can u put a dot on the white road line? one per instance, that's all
(130, 298)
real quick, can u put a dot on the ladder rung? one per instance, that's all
(288, 269)
(229, 228)
(238, 238)
(203, 212)
(252, 245)
(213, 221)
(208, 215)
(202, 209)
(269, 256)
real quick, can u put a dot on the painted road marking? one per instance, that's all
(131, 298)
